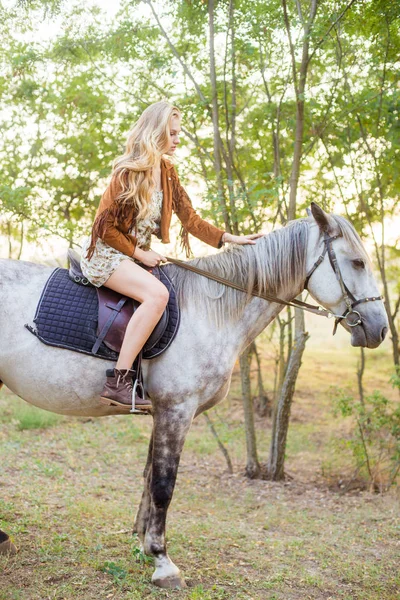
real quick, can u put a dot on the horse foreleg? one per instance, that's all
(142, 515)
(170, 429)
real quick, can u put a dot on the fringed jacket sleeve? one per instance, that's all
(105, 225)
(191, 221)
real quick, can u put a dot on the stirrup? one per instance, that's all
(138, 384)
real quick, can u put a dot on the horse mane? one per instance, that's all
(275, 264)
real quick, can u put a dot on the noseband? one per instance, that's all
(350, 300)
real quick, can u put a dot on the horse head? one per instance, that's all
(341, 279)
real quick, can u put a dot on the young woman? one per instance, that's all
(143, 191)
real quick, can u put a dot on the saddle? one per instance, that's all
(74, 314)
(115, 311)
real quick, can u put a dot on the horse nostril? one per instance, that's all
(383, 333)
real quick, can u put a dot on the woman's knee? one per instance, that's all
(158, 297)
(163, 296)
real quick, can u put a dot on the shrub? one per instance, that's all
(374, 439)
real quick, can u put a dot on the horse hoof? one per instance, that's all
(6, 545)
(175, 582)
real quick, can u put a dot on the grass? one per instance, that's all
(23, 416)
(69, 490)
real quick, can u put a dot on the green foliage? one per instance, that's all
(58, 140)
(139, 556)
(395, 379)
(118, 573)
(375, 435)
(88, 83)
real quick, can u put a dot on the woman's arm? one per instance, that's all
(105, 227)
(127, 244)
(241, 239)
(190, 220)
(114, 237)
(197, 226)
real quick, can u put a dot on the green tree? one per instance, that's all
(275, 115)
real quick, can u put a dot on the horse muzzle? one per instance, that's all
(369, 334)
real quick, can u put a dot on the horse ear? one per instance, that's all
(308, 211)
(321, 217)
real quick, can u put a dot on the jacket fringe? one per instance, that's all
(98, 230)
(185, 245)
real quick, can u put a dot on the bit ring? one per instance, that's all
(353, 312)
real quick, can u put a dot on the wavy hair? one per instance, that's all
(147, 141)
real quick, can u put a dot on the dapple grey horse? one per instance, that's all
(194, 374)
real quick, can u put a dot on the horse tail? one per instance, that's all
(1, 384)
(6, 545)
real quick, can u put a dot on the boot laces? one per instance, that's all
(126, 382)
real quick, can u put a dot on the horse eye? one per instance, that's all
(358, 263)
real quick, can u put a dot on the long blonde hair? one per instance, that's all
(147, 141)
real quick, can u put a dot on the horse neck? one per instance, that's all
(237, 318)
(259, 313)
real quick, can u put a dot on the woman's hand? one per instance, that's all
(241, 239)
(149, 257)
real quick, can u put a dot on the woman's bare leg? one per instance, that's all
(135, 282)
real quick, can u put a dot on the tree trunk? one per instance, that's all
(9, 239)
(360, 373)
(263, 403)
(392, 324)
(252, 465)
(21, 241)
(231, 142)
(283, 406)
(215, 120)
(282, 361)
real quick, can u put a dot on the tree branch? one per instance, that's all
(220, 444)
(323, 38)
(287, 25)
(178, 56)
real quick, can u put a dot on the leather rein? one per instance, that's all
(350, 300)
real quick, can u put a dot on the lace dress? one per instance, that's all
(106, 259)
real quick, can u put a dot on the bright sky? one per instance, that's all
(49, 28)
(111, 7)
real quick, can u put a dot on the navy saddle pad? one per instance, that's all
(67, 315)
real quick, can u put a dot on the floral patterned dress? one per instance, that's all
(106, 259)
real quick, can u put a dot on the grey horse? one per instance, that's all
(194, 374)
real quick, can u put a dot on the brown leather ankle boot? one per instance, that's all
(118, 390)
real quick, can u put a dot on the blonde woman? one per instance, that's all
(143, 191)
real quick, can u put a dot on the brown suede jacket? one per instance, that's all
(175, 199)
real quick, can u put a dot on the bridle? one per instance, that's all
(350, 300)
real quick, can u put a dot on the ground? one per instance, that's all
(70, 487)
